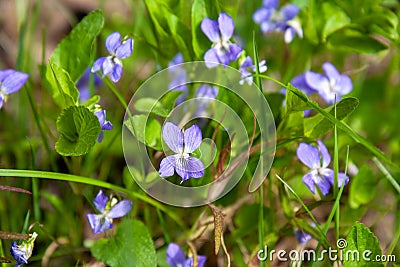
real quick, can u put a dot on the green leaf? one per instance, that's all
(63, 89)
(293, 102)
(73, 52)
(363, 187)
(314, 22)
(351, 40)
(336, 19)
(151, 105)
(130, 246)
(70, 59)
(318, 125)
(146, 129)
(202, 9)
(361, 239)
(79, 129)
(169, 99)
(171, 31)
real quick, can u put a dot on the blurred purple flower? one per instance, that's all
(10, 82)
(302, 237)
(177, 258)
(318, 159)
(331, 85)
(207, 91)
(272, 19)
(105, 125)
(83, 85)
(109, 210)
(182, 143)
(22, 252)
(118, 50)
(219, 32)
(247, 68)
(178, 77)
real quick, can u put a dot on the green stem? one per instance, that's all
(261, 207)
(261, 222)
(346, 128)
(88, 181)
(41, 130)
(322, 234)
(164, 228)
(35, 191)
(115, 91)
(387, 174)
(2, 253)
(335, 206)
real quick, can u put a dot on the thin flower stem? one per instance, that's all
(115, 91)
(322, 237)
(88, 181)
(335, 158)
(261, 207)
(35, 191)
(41, 129)
(164, 228)
(387, 174)
(335, 206)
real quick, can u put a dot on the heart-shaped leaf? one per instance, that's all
(79, 129)
(130, 246)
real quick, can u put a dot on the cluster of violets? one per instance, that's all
(182, 142)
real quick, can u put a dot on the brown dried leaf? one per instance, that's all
(218, 226)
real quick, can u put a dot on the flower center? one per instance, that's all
(181, 160)
(332, 86)
(276, 16)
(222, 46)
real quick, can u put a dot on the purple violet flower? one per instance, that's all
(302, 237)
(272, 19)
(109, 210)
(105, 125)
(207, 91)
(179, 77)
(182, 143)
(220, 32)
(177, 258)
(83, 85)
(22, 252)
(247, 68)
(331, 85)
(11, 81)
(318, 159)
(112, 65)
